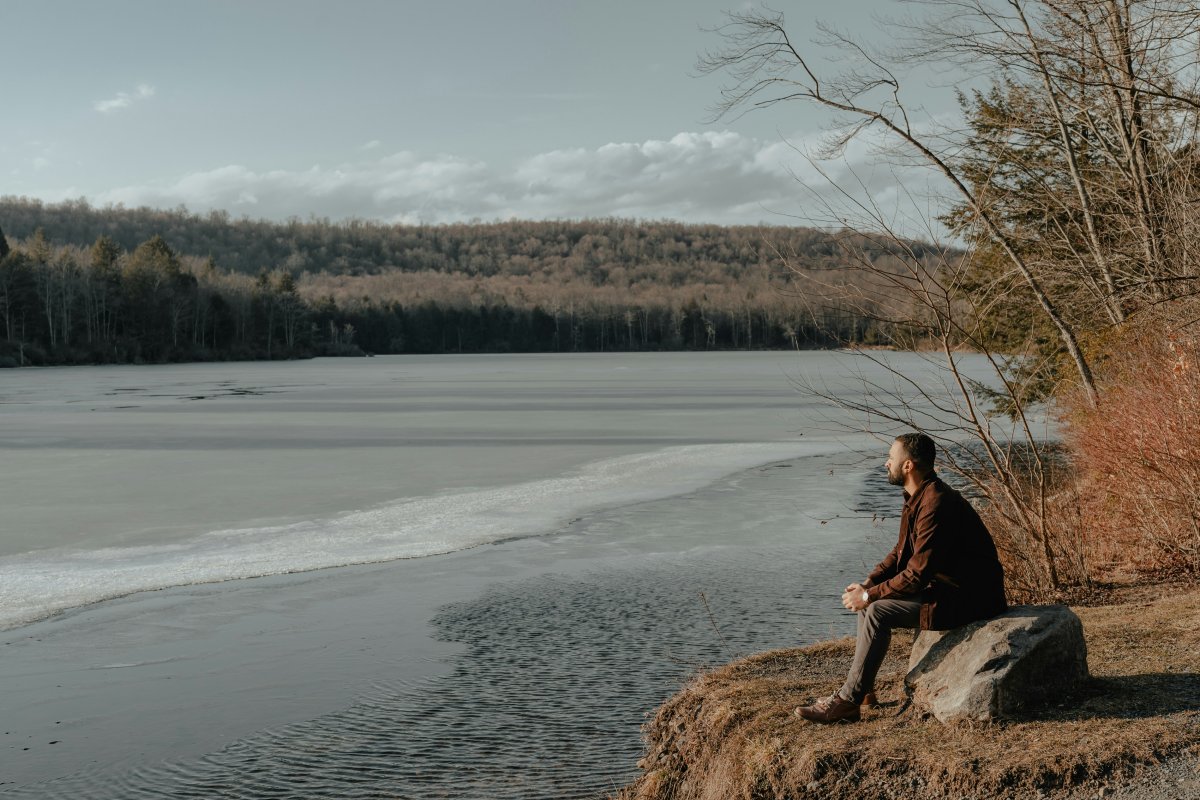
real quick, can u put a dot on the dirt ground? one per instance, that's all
(1135, 727)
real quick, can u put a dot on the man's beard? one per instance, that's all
(895, 478)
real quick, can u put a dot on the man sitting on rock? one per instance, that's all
(942, 573)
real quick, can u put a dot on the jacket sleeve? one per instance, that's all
(886, 568)
(927, 534)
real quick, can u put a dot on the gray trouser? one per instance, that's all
(875, 623)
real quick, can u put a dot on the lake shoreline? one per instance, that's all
(730, 732)
(631, 501)
(175, 688)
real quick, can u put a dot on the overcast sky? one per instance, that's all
(406, 111)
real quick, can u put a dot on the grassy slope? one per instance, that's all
(730, 733)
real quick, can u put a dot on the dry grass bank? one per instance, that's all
(730, 732)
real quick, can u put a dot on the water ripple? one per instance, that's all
(546, 701)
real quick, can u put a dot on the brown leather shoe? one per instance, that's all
(869, 700)
(830, 709)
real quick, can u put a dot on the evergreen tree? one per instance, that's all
(152, 280)
(105, 253)
(103, 290)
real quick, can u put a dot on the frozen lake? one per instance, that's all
(532, 535)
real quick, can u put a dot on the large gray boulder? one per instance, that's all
(998, 668)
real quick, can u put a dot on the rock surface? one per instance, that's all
(998, 668)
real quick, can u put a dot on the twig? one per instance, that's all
(724, 644)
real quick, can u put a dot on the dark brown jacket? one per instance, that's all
(946, 556)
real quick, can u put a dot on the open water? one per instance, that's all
(547, 547)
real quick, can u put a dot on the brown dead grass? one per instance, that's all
(730, 733)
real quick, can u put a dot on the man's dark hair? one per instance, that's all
(921, 450)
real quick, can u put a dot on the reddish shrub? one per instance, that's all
(1138, 454)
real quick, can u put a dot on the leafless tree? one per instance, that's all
(1100, 100)
(1064, 176)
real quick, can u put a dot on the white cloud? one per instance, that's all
(371, 145)
(719, 177)
(124, 100)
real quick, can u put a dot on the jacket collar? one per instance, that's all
(911, 499)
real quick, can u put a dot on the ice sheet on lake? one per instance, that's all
(39, 584)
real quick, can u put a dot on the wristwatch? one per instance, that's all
(866, 596)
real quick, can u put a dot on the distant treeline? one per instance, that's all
(86, 285)
(599, 250)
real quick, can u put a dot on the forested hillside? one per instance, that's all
(595, 250)
(83, 284)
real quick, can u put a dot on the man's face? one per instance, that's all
(895, 464)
